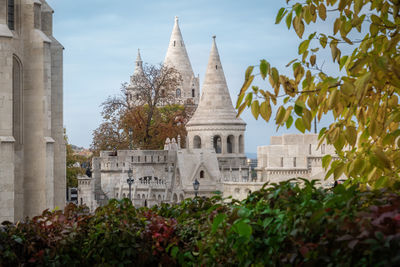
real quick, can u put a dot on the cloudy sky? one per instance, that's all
(101, 38)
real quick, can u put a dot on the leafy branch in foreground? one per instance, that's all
(364, 99)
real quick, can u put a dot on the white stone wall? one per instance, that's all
(291, 156)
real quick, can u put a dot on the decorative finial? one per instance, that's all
(176, 19)
(214, 36)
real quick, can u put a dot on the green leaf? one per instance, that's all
(275, 75)
(264, 68)
(326, 160)
(217, 221)
(243, 229)
(267, 221)
(289, 20)
(303, 46)
(343, 61)
(299, 125)
(280, 15)
(174, 251)
(289, 122)
(249, 71)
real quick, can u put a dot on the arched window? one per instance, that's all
(174, 43)
(193, 92)
(143, 196)
(241, 144)
(178, 92)
(201, 174)
(230, 141)
(175, 199)
(294, 162)
(217, 144)
(281, 161)
(323, 149)
(138, 196)
(11, 14)
(17, 102)
(162, 93)
(309, 149)
(197, 142)
(116, 195)
(123, 195)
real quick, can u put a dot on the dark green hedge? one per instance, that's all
(285, 224)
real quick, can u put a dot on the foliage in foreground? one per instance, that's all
(364, 41)
(285, 224)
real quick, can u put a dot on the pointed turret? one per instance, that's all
(215, 106)
(139, 64)
(176, 54)
(177, 57)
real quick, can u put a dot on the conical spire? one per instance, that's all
(139, 64)
(177, 56)
(215, 105)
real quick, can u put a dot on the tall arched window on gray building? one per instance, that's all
(193, 93)
(217, 144)
(178, 92)
(11, 14)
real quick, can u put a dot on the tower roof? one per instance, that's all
(138, 65)
(177, 56)
(215, 106)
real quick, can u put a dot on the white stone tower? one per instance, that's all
(214, 125)
(133, 97)
(188, 92)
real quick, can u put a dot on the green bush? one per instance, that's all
(290, 223)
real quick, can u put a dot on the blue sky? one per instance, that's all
(101, 40)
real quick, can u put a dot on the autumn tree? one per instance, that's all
(73, 171)
(363, 98)
(145, 108)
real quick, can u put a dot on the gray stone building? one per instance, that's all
(214, 153)
(32, 149)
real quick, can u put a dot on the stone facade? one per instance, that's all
(291, 156)
(32, 148)
(214, 153)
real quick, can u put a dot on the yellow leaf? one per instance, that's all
(280, 115)
(382, 157)
(298, 26)
(313, 59)
(255, 109)
(265, 110)
(336, 25)
(351, 135)
(332, 98)
(322, 11)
